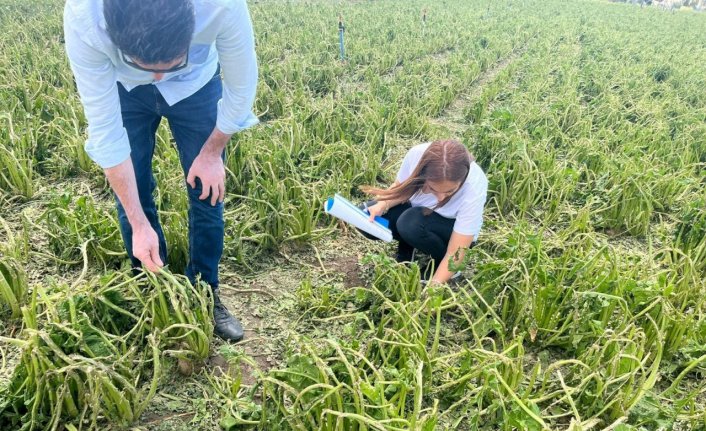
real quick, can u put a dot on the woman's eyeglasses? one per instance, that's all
(132, 64)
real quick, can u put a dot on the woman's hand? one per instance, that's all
(377, 210)
(455, 251)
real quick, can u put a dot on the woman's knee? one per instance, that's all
(410, 225)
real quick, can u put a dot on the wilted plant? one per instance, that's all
(13, 286)
(70, 223)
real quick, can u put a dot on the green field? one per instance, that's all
(583, 307)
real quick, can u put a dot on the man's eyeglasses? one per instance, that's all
(132, 64)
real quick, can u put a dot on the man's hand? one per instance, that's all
(208, 167)
(145, 247)
(145, 244)
(210, 170)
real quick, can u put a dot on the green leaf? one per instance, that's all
(228, 423)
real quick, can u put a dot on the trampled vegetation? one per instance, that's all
(583, 307)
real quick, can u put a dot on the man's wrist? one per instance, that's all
(216, 143)
(139, 222)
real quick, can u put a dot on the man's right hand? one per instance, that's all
(145, 244)
(145, 247)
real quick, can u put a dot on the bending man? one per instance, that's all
(137, 61)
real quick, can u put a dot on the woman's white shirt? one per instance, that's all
(466, 205)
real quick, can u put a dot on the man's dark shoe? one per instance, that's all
(226, 327)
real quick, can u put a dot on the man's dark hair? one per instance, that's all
(150, 31)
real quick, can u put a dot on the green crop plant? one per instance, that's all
(18, 176)
(617, 370)
(493, 93)
(566, 295)
(231, 389)
(341, 389)
(70, 223)
(497, 397)
(475, 113)
(172, 204)
(174, 225)
(79, 358)
(183, 314)
(607, 379)
(589, 157)
(69, 133)
(677, 310)
(521, 183)
(13, 287)
(93, 351)
(16, 240)
(630, 201)
(690, 234)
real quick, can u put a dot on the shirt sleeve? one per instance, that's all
(235, 44)
(107, 142)
(469, 218)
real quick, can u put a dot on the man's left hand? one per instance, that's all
(208, 167)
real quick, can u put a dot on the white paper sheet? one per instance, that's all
(342, 208)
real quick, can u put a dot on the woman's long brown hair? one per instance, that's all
(443, 161)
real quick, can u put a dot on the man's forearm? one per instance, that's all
(216, 143)
(122, 180)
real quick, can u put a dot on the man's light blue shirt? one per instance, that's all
(223, 33)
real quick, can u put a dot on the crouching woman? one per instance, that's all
(435, 205)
